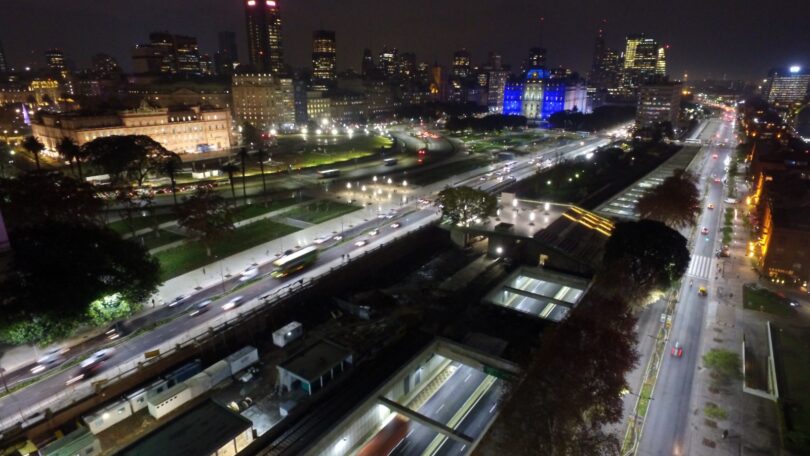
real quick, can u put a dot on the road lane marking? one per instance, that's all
(700, 267)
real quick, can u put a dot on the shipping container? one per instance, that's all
(242, 359)
(183, 372)
(199, 384)
(108, 416)
(218, 372)
(168, 401)
(288, 333)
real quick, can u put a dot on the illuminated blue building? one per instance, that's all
(533, 93)
(553, 97)
(513, 98)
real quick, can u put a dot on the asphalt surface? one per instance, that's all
(28, 403)
(665, 429)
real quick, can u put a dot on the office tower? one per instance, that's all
(186, 55)
(3, 61)
(105, 66)
(495, 61)
(406, 66)
(167, 54)
(227, 53)
(388, 61)
(265, 49)
(786, 86)
(657, 103)
(56, 61)
(324, 57)
(640, 61)
(367, 67)
(265, 101)
(461, 64)
(661, 62)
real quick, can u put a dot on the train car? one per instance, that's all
(387, 439)
(242, 359)
(183, 372)
(168, 401)
(218, 372)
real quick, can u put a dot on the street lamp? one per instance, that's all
(404, 183)
(390, 181)
(374, 179)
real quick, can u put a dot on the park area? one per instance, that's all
(315, 150)
(320, 211)
(792, 352)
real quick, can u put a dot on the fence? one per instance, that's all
(198, 335)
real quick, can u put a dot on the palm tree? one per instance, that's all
(229, 168)
(71, 152)
(170, 168)
(243, 156)
(262, 156)
(32, 145)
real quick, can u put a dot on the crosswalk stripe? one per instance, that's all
(700, 267)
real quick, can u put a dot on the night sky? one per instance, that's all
(708, 38)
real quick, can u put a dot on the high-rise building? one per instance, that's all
(661, 62)
(167, 54)
(3, 61)
(388, 61)
(105, 66)
(227, 53)
(641, 61)
(461, 64)
(367, 67)
(786, 86)
(324, 57)
(657, 103)
(263, 100)
(265, 50)
(497, 84)
(56, 61)
(406, 66)
(537, 58)
(605, 66)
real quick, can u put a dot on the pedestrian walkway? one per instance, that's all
(700, 267)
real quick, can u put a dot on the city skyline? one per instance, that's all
(509, 28)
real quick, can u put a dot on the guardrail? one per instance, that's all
(197, 335)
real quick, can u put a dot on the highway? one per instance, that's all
(28, 403)
(665, 429)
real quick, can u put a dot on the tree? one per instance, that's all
(129, 204)
(5, 154)
(640, 258)
(251, 136)
(230, 168)
(675, 202)
(463, 204)
(60, 268)
(131, 157)
(206, 216)
(171, 166)
(243, 157)
(724, 364)
(34, 147)
(40, 197)
(71, 152)
(571, 390)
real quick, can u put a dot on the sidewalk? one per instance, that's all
(751, 421)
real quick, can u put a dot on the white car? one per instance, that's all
(361, 243)
(178, 300)
(337, 237)
(320, 240)
(249, 273)
(396, 225)
(49, 359)
(374, 232)
(200, 308)
(236, 301)
(97, 358)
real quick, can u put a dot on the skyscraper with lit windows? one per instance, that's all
(265, 51)
(786, 86)
(324, 56)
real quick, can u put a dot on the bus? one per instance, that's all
(390, 161)
(294, 262)
(329, 173)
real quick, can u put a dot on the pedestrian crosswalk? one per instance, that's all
(700, 267)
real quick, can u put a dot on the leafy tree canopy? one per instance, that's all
(675, 202)
(206, 216)
(131, 157)
(38, 197)
(463, 204)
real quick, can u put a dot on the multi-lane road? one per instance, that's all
(52, 392)
(665, 430)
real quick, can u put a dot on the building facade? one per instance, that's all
(324, 56)
(227, 53)
(644, 60)
(263, 100)
(167, 54)
(658, 103)
(533, 90)
(185, 131)
(263, 21)
(787, 86)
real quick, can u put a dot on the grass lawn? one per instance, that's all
(320, 211)
(257, 209)
(139, 223)
(766, 301)
(192, 255)
(151, 240)
(444, 171)
(792, 350)
(306, 154)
